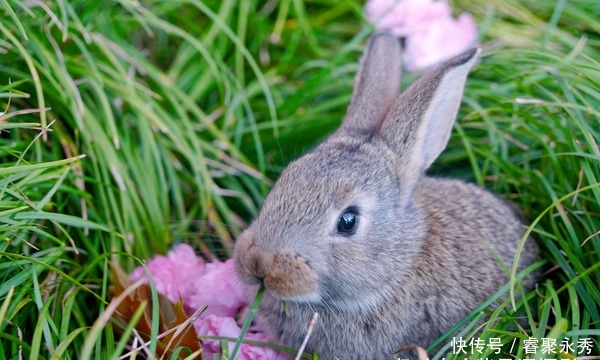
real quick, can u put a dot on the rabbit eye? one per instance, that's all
(348, 222)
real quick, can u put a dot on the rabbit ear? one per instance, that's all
(377, 83)
(419, 124)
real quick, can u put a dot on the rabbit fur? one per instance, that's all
(425, 251)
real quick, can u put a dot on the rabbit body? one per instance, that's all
(423, 252)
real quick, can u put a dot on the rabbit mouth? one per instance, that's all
(283, 289)
(289, 277)
(285, 274)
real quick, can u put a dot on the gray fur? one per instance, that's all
(423, 255)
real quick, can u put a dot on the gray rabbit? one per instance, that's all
(355, 231)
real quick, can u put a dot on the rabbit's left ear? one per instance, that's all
(420, 122)
(377, 84)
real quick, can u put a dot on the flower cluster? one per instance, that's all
(180, 274)
(431, 34)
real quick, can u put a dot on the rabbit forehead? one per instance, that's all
(333, 176)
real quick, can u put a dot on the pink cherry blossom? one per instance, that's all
(423, 47)
(174, 274)
(214, 325)
(402, 17)
(227, 327)
(182, 274)
(431, 34)
(220, 289)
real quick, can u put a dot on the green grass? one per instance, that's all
(186, 111)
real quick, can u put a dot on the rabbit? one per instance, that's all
(355, 231)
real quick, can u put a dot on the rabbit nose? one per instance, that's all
(252, 267)
(256, 267)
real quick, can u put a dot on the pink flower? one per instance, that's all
(220, 289)
(438, 42)
(402, 17)
(431, 34)
(216, 326)
(250, 352)
(182, 274)
(174, 274)
(227, 327)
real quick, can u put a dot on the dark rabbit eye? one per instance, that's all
(348, 222)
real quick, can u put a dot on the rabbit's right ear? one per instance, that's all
(377, 83)
(419, 124)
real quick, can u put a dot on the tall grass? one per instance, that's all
(129, 126)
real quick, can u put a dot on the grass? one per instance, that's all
(187, 110)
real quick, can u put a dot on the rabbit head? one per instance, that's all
(340, 226)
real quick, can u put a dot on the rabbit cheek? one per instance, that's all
(289, 278)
